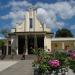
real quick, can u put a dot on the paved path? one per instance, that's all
(5, 64)
(23, 67)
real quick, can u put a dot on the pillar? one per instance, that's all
(7, 48)
(12, 44)
(26, 45)
(50, 45)
(17, 45)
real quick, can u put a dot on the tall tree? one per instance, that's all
(5, 31)
(64, 32)
(2, 42)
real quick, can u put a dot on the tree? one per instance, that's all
(63, 33)
(5, 31)
(2, 42)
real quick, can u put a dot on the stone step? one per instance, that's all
(17, 57)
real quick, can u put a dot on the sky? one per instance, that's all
(56, 14)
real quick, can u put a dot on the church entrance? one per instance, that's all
(21, 43)
(30, 44)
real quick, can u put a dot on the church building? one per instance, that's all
(31, 34)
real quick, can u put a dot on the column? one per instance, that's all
(35, 41)
(63, 45)
(26, 45)
(50, 45)
(12, 44)
(17, 45)
(7, 48)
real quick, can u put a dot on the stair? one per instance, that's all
(18, 57)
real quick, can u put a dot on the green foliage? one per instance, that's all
(43, 58)
(43, 67)
(62, 56)
(39, 52)
(72, 65)
(5, 31)
(2, 42)
(63, 33)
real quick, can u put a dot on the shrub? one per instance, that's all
(54, 62)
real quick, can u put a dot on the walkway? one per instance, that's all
(23, 67)
(5, 64)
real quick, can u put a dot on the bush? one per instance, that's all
(54, 62)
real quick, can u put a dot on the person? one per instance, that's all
(23, 56)
(12, 53)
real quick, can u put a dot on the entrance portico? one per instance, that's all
(30, 41)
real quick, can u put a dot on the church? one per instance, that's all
(31, 34)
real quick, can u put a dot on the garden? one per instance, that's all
(53, 63)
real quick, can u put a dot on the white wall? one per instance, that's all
(47, 43)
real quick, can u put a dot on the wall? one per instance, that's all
(20, 27)
(47, 43)
(58, 45)
(14, 43)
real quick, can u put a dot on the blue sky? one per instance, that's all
(58, 13)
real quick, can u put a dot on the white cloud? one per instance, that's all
(42, 15)
(60, 25)
(17, 4)
(20, 5)
(48, 18)
(17, 11)
(46, 13)
(64, 9)
(16, 17)
(72, 27)
(2, 37)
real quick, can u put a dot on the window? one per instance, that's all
(31, 23)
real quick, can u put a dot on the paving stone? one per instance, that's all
(23, 67)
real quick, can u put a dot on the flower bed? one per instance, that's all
(54, 63)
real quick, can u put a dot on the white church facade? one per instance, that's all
(31, 34)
